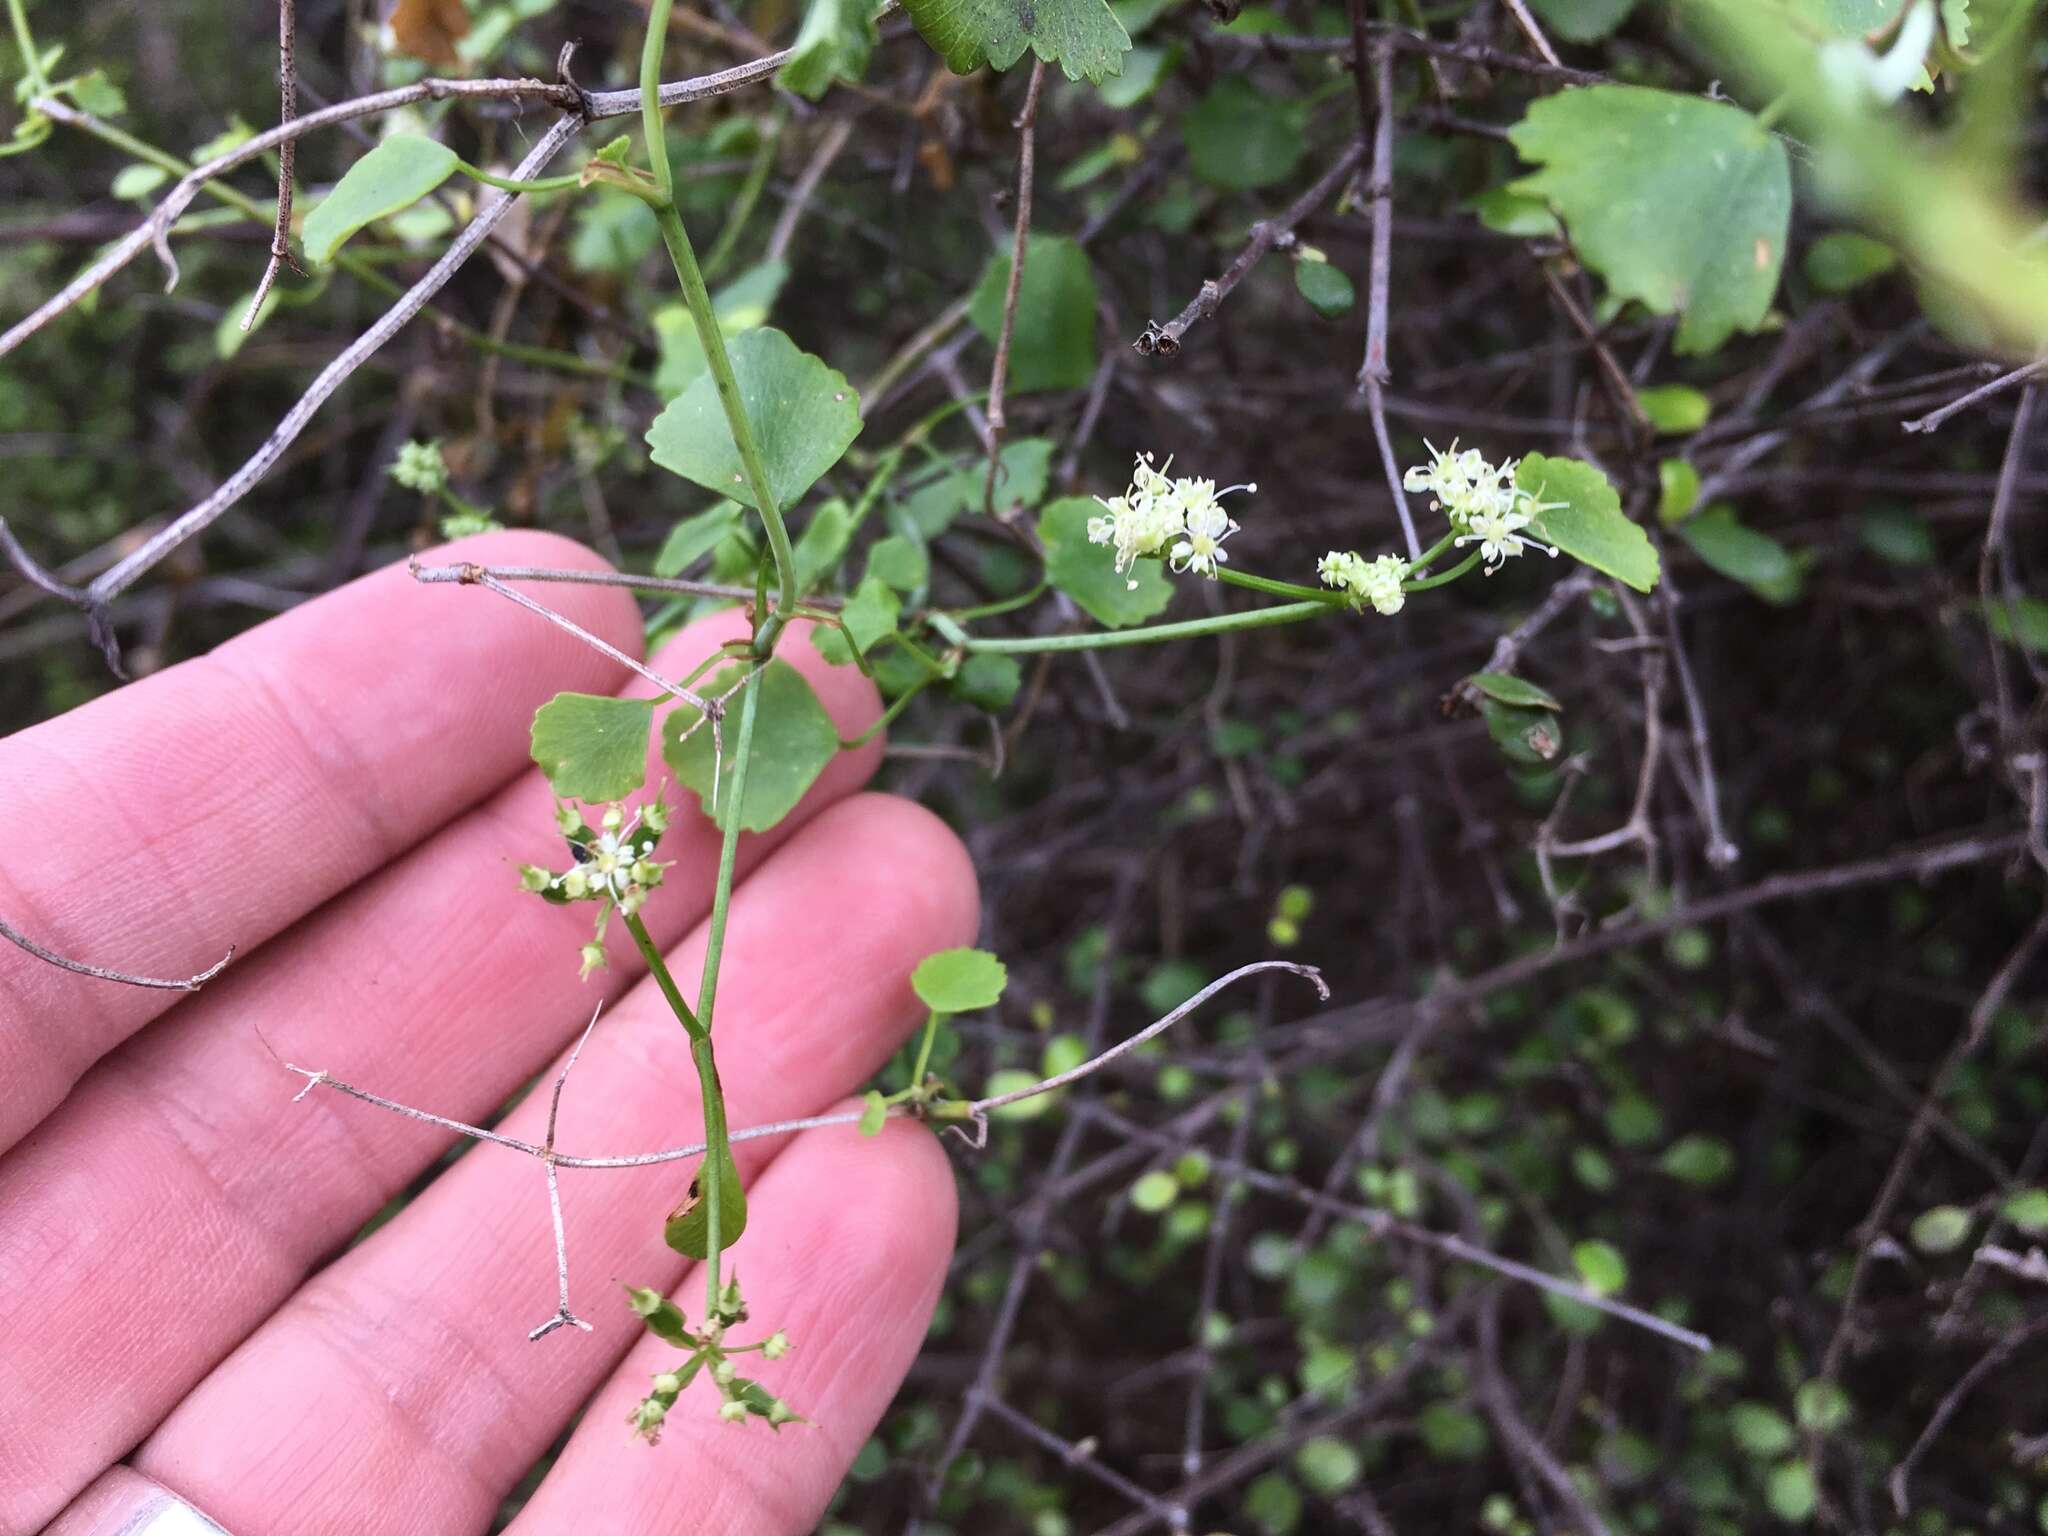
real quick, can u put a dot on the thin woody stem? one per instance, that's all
(101, 973)
(287, 156)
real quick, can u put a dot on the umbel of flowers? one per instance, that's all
(1183, 518)
(614, 865)
(1182, 521)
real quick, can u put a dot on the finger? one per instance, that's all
(398, 1390)
(168, 1206)
(846, 1256)
(216, 802)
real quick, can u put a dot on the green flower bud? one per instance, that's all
(776, 1347)
(667, 1384)
(568, 820)
(593, 958)
(654, 816)
(614, 817)
(533, 878)
(732, 1413)
(723, 1372)
(576, 883)
(780, 1412)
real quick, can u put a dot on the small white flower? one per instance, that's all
(1202, 550)
(1499, 534)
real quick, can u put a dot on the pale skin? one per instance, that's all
(344, 793)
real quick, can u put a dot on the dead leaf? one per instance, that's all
(429, 29)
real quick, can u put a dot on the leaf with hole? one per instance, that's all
(395, 175)
(834, 43)
(803, 412)
(688, 1228)
(592, 747)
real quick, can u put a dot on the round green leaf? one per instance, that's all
(396, 174)
(1790, 1491)
(1009, 1080)
(793, 741)
(1589, 525)
(2028, 1210)
(1601, 1267)
(1760, 1429)
(591, 747)
(1698, 1160)
(1583, 21)
(1328, 1465)
(1053, 344)
(1674, 408)
(1941, 1229)
(1678, 490)
(1328, 291)
(803, 412)
(1155, 1191)
(1087, 572)
(1822, 1407)
(959, 980)
(1242, 139)
(1677, 201)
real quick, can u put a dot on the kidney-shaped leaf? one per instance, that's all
(803, 412)
(793, 741)
(1589, 525)
(959, 980)
(1087, 572)
(591, 747)
(395, 175)
(1676, 201)
(688, 1228)
(1053, 345)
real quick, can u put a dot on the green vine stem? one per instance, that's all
(698, 296)
(24, 41)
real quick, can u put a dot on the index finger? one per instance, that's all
(249, 785)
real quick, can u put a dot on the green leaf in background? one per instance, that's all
(1328, 291)
(822, 542)
(1678, 490)
(803, 412)
(1743, 554)
(962, 980)
(1509, 689)
(834, 43)
(1083, 37)
(592, 747)
(2022, 622)
(870, 613)
(988, 682)
(794, 739)
(1674, 408)
(2028, 1210)
(874, 1113)
(1240, 138)
(899, 561)
(614, 232)
(1821, 1406)
(1698, 1160)
(1023, 470)
(688, 1229)
(693, 538)
(1529, 737)
(1087, 572)
(1790, 1491)
(1940, 1229)
(1849, 18)
(1676, 201)
(133, 183)
(98, 95)
(1507, 212)
(1328, 1465)
(1601, 1267)
(1009, 1080)
(1452, 1432)
(1146, 68)
(1583, 21)
(1760, 1429)
(1590, 525)
(396, 174)
(1054, 343)
(740, 305)
(1896, 533)
(1845, 260)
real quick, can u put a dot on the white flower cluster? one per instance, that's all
(1377, 582)
(615, 864)
(1184, 518)
(1482, 501)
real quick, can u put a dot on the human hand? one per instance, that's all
(345, 794)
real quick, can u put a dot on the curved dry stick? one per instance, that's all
(101, 973)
